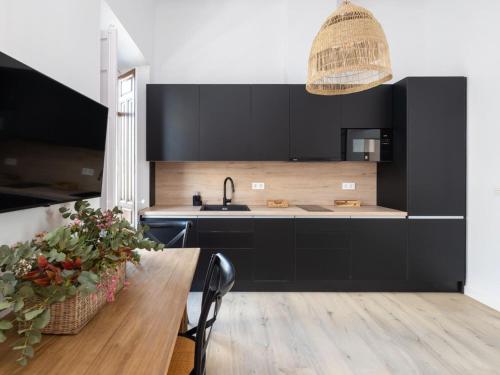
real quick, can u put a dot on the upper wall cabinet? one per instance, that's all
(436, 146)
(173, 122)
(244, 122)
(270, 122)
(428, 175)
(225, 119)
(368, 109)
(256, 122)
(315, 125)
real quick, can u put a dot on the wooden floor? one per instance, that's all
(352, 333)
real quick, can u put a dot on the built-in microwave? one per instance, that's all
(367, 144)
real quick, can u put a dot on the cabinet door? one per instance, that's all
(379, 249)
(322, 249)
(436, 250)
(368, 109)
(274, 256)
(165, 234)
(436, 146)
(173, 123)
(225, 126)
(270, 122)
(315, 125)
(232, 237)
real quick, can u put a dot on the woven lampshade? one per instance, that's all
(349, 54)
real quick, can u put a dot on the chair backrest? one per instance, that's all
(219, 281)
(174, 233)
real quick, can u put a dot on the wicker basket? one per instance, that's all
(70, 316)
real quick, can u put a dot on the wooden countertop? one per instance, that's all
(257, 211)
(135, 334)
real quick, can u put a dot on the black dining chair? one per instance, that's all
(173, 233)
(190, 352)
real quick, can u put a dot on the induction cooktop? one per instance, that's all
(314, 208)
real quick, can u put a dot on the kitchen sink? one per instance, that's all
(229, 207)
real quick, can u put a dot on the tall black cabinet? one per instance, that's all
(428, 176)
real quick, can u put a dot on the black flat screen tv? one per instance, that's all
(52, 140)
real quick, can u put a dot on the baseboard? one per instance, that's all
(490, 297)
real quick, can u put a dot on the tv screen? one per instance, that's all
(51, 140)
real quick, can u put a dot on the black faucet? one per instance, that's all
(225, 201)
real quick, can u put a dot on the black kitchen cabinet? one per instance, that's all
(322, 249)
(436, 146)
(428, 175)
(274, 257)
(379, 249)
(315, 125)
(328, 254)
(270, 122)
(173, 124)
(164, 235)
(256, 122)
(368, 109)
(437, 250)
(225, 123)
(232, 237)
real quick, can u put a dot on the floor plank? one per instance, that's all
(352, 333)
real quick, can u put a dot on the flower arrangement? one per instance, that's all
(58, 265)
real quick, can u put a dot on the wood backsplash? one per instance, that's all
(299, 183)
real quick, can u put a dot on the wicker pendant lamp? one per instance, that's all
(349, 54)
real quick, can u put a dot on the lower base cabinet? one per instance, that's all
(379, 249)
(287, 254)
(437, 250)
(273, 259)
(322, 249)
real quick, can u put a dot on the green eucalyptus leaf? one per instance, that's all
(5, 324)
(34, 337)
(26, 291)
(23, 361)
(2, 337)
(88, 277)
(5, 305)
(42, 320)
(28, 351)
(7, 288)
(33, 314)
(18, 305)
(8, 277)
(87, 288)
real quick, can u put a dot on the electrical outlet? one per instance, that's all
(87, 172)
(497, 191)
(258, 186)
(348, 186)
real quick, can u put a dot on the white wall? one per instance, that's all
(60, 38)
(261, 41)
(450, 37)
(137, 17)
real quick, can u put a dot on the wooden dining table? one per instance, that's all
(135, 334)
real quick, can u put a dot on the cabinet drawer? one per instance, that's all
(225, 225)
(321, 225)
(228, 240)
